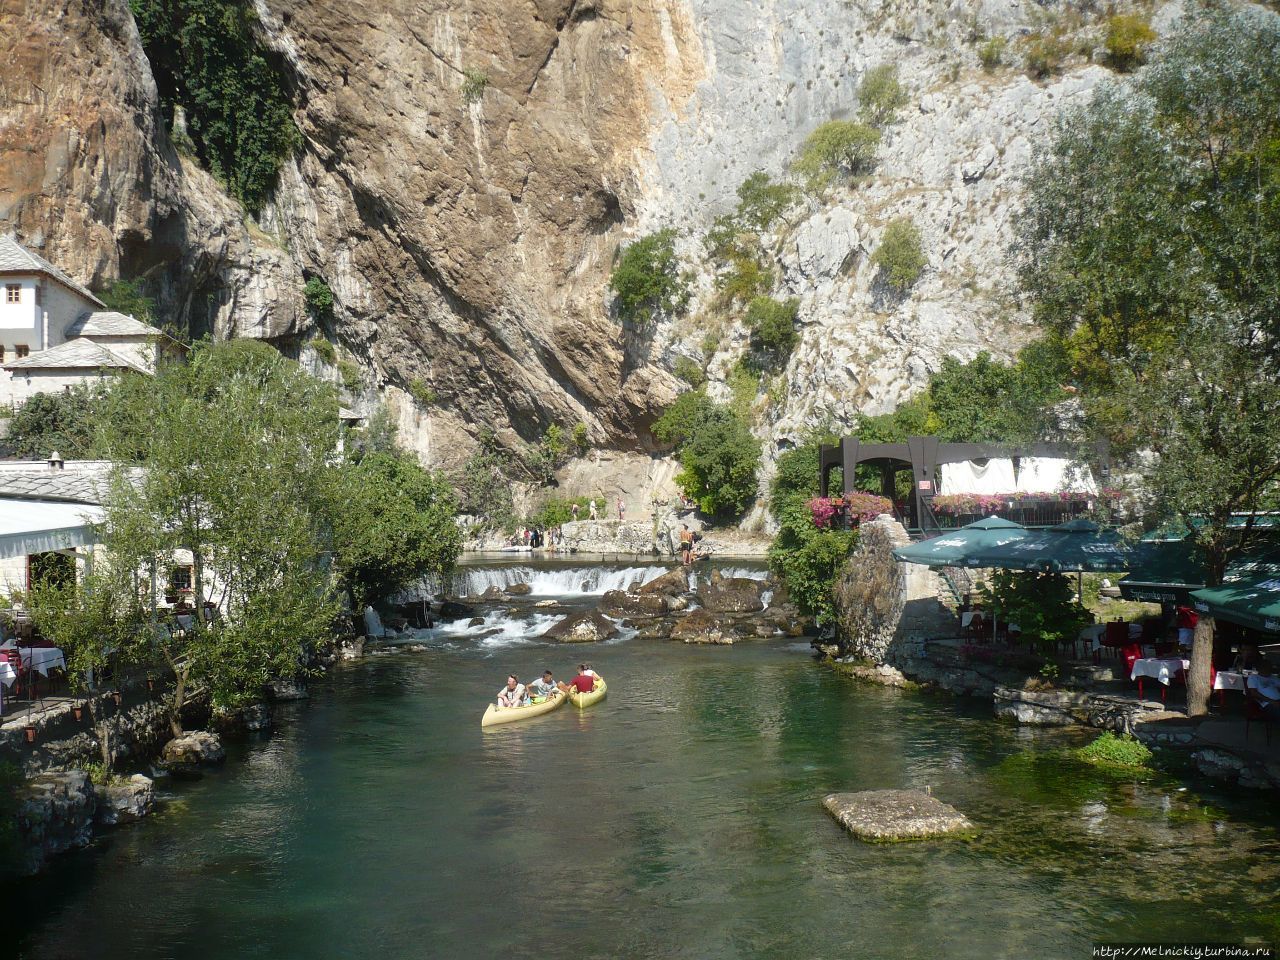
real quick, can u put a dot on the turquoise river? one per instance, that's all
(680, 818)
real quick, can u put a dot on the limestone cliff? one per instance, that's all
(467, 226)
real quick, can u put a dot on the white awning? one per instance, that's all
(38, 526)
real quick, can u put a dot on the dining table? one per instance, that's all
(1163, 669)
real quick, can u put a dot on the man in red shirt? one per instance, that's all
(583, 682)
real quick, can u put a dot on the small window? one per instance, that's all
(21, 350)
(180, 578)
(13, 293)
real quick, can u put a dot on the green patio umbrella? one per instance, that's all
(1075, 546)
(955, 548)
(1251, 600)
(1168, 571)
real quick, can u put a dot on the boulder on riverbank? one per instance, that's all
(883, 816)
(125, 800)
(731, 594)
(588, 627)
(55, 813)
(616, 603)
(198, 748)
(701, 626)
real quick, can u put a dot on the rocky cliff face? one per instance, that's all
(467, 227)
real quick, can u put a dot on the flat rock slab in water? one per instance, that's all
(879, 816)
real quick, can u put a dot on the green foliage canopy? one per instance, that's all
(647, 281)
(718, 455)
(206, 58)
(65, 422)
(900, 255)
(881, 95)
(837, 149)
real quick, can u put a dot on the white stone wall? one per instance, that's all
(20, 385)
(19, 322)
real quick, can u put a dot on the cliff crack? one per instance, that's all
(560, 25)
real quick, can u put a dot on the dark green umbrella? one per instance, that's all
(1069, 547)
(1168, 571)
(955, 548)
(1249, 599)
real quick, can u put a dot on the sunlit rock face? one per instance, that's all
(467, 227)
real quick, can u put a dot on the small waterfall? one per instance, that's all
(552, 581)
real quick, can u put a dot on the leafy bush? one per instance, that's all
(65, 422)
(319, 299)
(549, 455)
(718, 455)
(808, 559)
(324, 350)
(206, 57)
(352, 381)
(796, 474)
(773, 327)
(690, 371)
(1042, 604)
(1116, 751)
(127, 297)
(881, 95)
(1129, 36)
(746, 277)
(557, 510)
(474, 83)
(838, 148)
(1045, 53)
(422, 393)
(743, 381)
(899, 255)
(580, 438)
(484, 484)
(647, 280)
(991, 53)
(761, 202)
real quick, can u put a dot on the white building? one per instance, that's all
(55, 334)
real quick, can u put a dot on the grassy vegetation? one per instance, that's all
(422, 393)
(1115, 751)
(324, 350)
(690, 371)
(1129, 36)
(991, 53)
(474, 84)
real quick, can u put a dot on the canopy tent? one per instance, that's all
(998, 475)
(1251, 601)
(38, 526)
(1169, 571)
(956, 547)
(1074, 546)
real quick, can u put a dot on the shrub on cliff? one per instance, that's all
(837, 149)
(762, 201)
(773, 329)
(991, 53)
(881, 95)
(1129, 36)
(808, 559)
(900, 256)
(206, 58)
(647, 281)
(1045, 53)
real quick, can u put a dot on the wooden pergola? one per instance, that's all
(922, 456)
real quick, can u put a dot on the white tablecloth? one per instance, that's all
(1228, 680)
(39, 659)
(967, 618)
(1162, 669)
(7, 674)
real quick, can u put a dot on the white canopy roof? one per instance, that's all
(1033, 475)
(37, 526)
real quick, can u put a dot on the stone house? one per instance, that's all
(55, 334)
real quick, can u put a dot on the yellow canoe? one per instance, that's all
(496, 714)
(584, 700)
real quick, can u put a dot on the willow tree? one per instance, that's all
(1151, 248)
(226, 456)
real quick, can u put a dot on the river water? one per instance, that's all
(679, 818)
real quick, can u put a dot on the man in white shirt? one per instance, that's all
(543, 687)
(512, 695)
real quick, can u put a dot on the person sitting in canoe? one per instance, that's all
(543, 687)
(584, 682)
(512, 695)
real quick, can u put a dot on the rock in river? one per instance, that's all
(616, 603)
(588, 627)
(700, 626)
(731, 594)
(193, 749)
(672, 583)
(519, 589)
(125, 800)
(879, 816)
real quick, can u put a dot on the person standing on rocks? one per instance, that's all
(686, 545)
(622, 510)
(573, 509)
(591, 510)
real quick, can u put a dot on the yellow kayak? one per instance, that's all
(496, 714)
(584, 700)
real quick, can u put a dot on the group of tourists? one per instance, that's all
(593, 512)
(517, 694)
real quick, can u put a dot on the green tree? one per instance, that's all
(65, 422)
(206, 58)
(900, 255)
(718, 455)
(986, 401)
(484, 483)
(881, 95)
(762, 202)
(393, 523)
(808, 559)
(1151, 248)
(319, 299)
(647, 281)
(226, 457)
(837, 149)
(129, 297)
